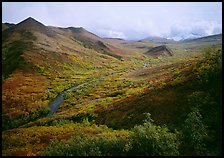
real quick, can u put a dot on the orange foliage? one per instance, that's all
(23, 92)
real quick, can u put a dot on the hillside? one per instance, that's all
(213, 38)
(6, 26)
(72, 43)
(159, 51)
(54, 58)
(67, 91)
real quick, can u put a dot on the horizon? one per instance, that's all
(107, 37)
(123, 23)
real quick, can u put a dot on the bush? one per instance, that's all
(146, 139)
(87, 146)
(195, 133)
(202, 128)
(209, 69)
(199, 99)
(8, 123)
(150, 140)
(59, 122)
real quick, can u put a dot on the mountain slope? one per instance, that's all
(6, 26)
(92, 41)
(58, 56)
(159, 51)
(212, 38)
(74, 42)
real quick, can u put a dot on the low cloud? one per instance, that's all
(132, 21)
(194, 28)
(110, 33)
(115, 34)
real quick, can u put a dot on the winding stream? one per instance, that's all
(54, 105)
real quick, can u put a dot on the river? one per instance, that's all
(55, 104)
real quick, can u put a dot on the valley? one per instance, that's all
(67, 91)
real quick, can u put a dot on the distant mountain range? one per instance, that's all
(190, 36)
(205, 38)
(183, 38)
(156, 39)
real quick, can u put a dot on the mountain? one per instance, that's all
(157, 39)
(190, 36)
(31, 24)
(119, 39)
(211, 38)
(39, 62)
(92, 41)
(6, 26)
(75, 46)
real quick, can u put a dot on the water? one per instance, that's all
(54, 105)
(75, 87)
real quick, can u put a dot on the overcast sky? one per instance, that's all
(131, 20)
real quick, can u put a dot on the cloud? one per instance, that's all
(116, 34)
(123, 20)
(217, 30)
(111, 34)
(194, 28)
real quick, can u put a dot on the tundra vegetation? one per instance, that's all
(169, 106)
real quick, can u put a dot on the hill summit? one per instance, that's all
(30, 23)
